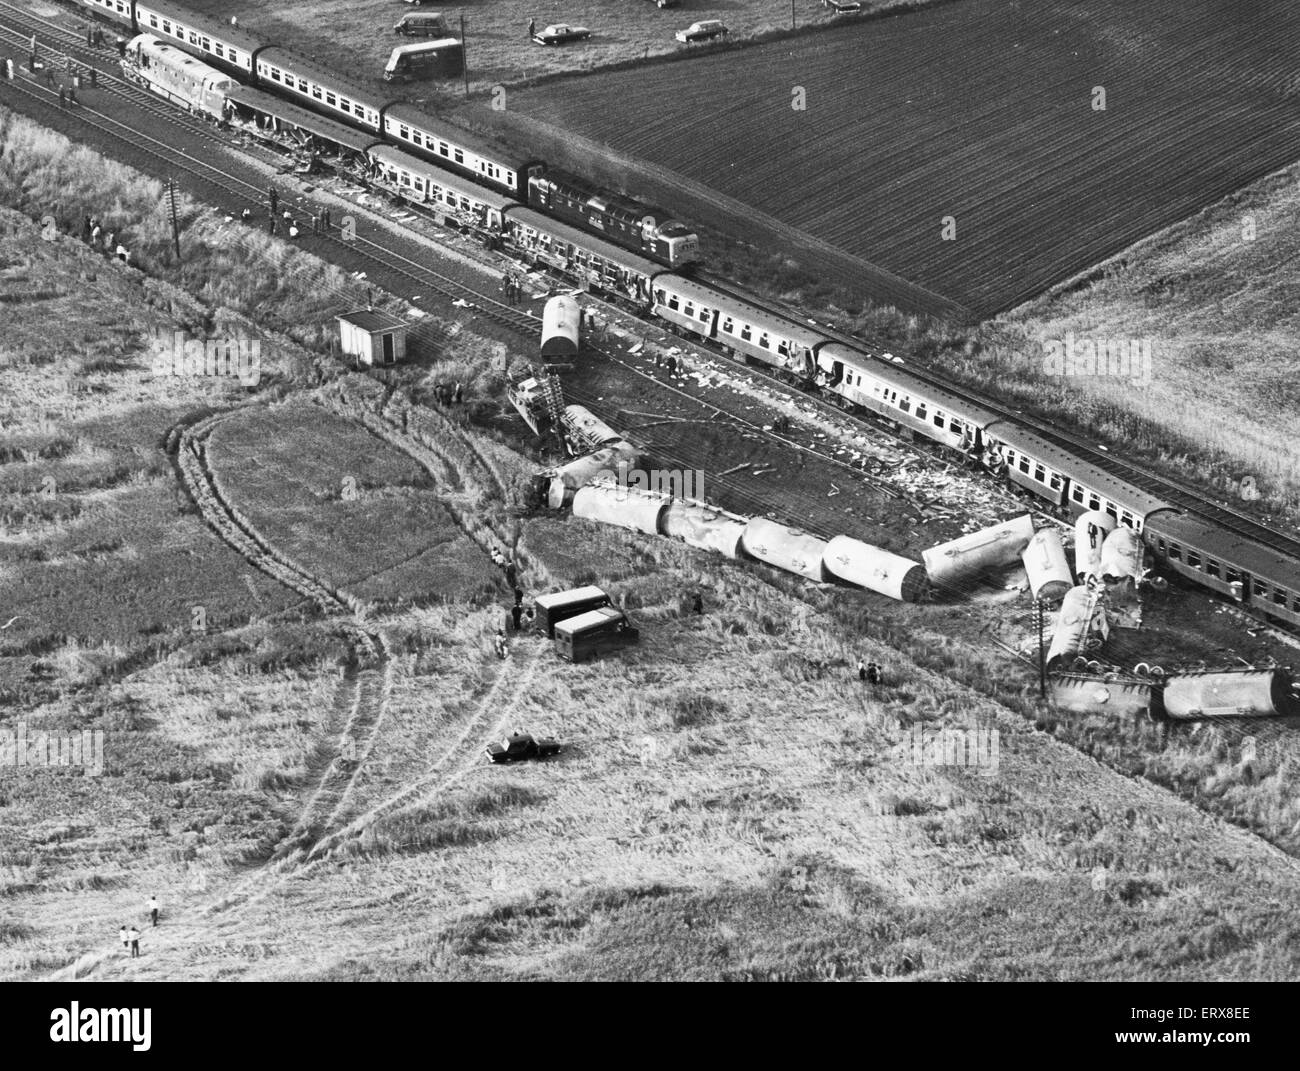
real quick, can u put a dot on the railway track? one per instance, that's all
(1177, 492)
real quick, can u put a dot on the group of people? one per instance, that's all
(130, 935)
(320, 222)
(670, 362)
(519, 618)
(870, 672)
(781, 424)
(446, 394)
(95, 37)
(513, 287)
(92, 233)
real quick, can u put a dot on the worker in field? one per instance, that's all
(512, 574)
(862, 671)
(697, 603)
(532, 28)
(502, 649)
(153, 908)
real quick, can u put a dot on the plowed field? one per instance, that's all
(984, 112)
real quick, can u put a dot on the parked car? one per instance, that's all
(702, 31)
(520, 746)
(668, 3)
(561, 33)
(843, 7)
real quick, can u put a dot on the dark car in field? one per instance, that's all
(561, 33)
(702, 31)
(519, 746)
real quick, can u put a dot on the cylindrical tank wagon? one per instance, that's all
(1046, 566)
(587, 429)
(1121, 556)
(787, 548)
(1090, 532)
(561, 320)
(565, 480)
(700, 526)
(1079, 618)
(623, 507)
(875, 569)
(1088, 694)
(991, 548)
(1244, 693)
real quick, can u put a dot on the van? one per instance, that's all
(593, 633)
(443, 58)
(558, 605)
(423, 24)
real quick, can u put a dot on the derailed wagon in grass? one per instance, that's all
(1235, 693)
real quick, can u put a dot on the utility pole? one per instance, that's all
(1042, 652)
(792, 26)
(176, 226)
(464, 56)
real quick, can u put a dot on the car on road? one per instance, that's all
(519, 746)
(561, 33)
(843, 7)
(702, 31)
(668, 3)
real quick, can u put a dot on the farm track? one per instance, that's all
(364, 692)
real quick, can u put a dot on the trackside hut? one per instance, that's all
(373, 337)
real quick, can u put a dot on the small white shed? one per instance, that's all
(373, 337)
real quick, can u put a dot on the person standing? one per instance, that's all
(63, 96)
(516, 614)
(274, 198)
(134, 935)
(153, 909)
(697, 604)
(121, 46)
(862, 671)
(512, 574)
(532, 28)
(126, 941)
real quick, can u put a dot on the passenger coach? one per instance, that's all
(456, 149)
(228, 46)
(319, 88)
(742, 328)
(448, 195)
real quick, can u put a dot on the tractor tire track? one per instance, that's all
(362, 692)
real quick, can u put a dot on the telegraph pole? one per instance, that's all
(176, 226)
(792, 26)
(464, 56)
(1042, 652)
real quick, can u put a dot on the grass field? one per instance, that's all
(731, 804)
(960, 146)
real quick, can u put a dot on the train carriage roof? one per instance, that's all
(1213, 541)
(629, 261)
(302, 67)
(737, 306)
(416, 116)
(218, 29)
(349, 138)
(897, 374)
(389, 155)
(1115, 488)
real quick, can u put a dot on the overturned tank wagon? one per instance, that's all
(875, 569)
(1235, 693)
(1121, 556)
(623, 507)
(787, 548)
(703, 527)
(565, 480)
(1047, 566)
(1081, 618)
(561, 319)
(1090, 532)
(968, 555)
(1086, 693)
(583, 426)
